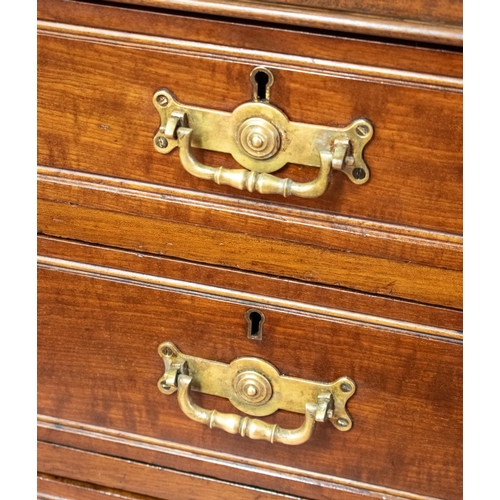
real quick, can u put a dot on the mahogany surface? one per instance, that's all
(415, 156)
(100, 335)
(138, 477)
(368, 307)
(53, 486)
(364, 281)
(238, 34)
(436, 22)
(411, 209)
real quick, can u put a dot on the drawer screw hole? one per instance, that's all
(342, 422)
(358, 173)
(362, 130)
(167, 352)
(255, 320)
(161, 142)
(162, 100)
(345, 387)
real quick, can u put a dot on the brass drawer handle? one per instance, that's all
(255, 387)
(245, 426)
(255, 181)
(260, 138)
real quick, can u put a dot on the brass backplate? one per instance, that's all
(299, 143)
(225, 380)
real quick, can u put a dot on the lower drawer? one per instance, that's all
(51, 487)
(128, 480)
(98, 367)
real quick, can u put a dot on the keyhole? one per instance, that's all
(255, 320)
(261, 79)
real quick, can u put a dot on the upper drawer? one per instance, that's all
(96, 112)
(438, 22)
(97, 121)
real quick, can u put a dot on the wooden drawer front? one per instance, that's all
(96, 115)
(439, 22)
(138, 479)
(398, 235)
(98, 366)
(51, 487)
(442, 11)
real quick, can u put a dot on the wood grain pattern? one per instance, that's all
(249, 299)
(297, 482)
(98, 364)
(367, 72)
(337, 302)
(441, 11)
(235, 34)
(220, 212)
(56, 488)
(245, 252)
(117, 120)
(140, 478)
(408, 27)
(365, 281)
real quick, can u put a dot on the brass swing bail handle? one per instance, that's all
(261, 182)
(255, 387)
(260, 138)
(245, 426)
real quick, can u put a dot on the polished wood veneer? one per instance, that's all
(364, 281)
(440, 22)
(115, 366)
